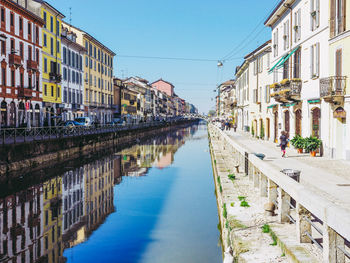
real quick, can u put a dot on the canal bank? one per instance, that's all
(249, 232)
(35, 155)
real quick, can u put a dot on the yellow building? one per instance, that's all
(52, 219)
(51, 60)
(98, 77)
(128, 104)
(334, 90)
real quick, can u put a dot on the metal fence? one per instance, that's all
(21, 135)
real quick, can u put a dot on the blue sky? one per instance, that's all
(205, 29)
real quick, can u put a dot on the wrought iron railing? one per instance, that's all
(22, 135)
(333, 86)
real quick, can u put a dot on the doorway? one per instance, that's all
(298, 122)
(316, 115)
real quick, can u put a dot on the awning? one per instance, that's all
(271, 69)
(314, 101)
(280, 63)
(289, 104)
(271, 106)
(287, 57)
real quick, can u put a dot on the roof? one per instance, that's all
(27, 12)
(162, 81)
(50, 6)
(283, 5)
(257, 49)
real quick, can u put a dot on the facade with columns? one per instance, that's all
(20, 74)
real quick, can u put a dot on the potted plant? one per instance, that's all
(312, 144)
(298, 142)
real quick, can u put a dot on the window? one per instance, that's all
(86, 61)
(21, 25)
(57, 27)
(58, 92)
(297, 25)
(64, 55)
(29, 31)
(51, 24)
(297, 60)
(260, 64)
(315, 60)
(275, 43)
(13, 80)
(58, 47)
(338, 17)
(45, 40)
(64, 74)
(45, 65)
(286, 35)
(267, 94)
(51, 42)
(45, 90)
(44, 17)
(21, 50)
(51, 91)
(314, 14)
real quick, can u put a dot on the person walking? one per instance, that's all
(284, 142)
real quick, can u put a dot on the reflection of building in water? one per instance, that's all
(73, 207)
(158, 152)
(52, 220)
(99, 181)
(21, 227)
(117, 166)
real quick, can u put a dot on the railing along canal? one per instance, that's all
(20, 135)
(317, 220)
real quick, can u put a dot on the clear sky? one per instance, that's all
(205, 29)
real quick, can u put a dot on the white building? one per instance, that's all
(72, 81)
(299, 59)
(242, 92)
(20, 73)
(260, 107)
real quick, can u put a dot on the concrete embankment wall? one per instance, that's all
(272, 186)
(17, 158)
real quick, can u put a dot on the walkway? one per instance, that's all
(329, 178)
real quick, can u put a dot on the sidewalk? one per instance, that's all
(329, 178)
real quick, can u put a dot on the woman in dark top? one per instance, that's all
(284, 142)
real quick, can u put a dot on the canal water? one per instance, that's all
(152, 202)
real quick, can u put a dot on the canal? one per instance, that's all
(152, 202)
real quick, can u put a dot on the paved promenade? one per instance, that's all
(329, 178)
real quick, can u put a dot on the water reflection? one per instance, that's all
(38, 223)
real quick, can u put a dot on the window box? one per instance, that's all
(296, 28)
(313, 14)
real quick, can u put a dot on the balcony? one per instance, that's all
(33, 65)
(287, 90)
(54, 77)
(25, 92)
(333, 89)
(15, 60)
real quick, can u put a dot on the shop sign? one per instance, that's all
(339, 113)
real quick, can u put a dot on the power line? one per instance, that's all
(173, 58)
(232, 52)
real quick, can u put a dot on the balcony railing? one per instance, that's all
(15, 60)
(332, 88)
(287, 90)
(33, 65)
(25, 92)
(57, 78)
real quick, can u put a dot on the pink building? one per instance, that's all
(164, 86)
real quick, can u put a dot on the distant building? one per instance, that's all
(164, 86)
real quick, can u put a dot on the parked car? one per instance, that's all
(83, 121)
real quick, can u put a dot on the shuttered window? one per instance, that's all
(314, 14)
(286, 35)
(315, 60)
(297, 25)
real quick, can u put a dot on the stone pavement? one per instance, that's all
(329, 178)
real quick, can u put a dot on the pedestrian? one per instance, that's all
(284, 142)
(235, 127)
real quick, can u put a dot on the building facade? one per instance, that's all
(98, 77)
(72, 80)
(20, 61)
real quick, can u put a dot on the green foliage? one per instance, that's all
(220, 189)
(232, 204)
(215, 161)
(265, 228)
(312, 144)
(232, 177)
(262, 131)
(298, 142)
(274, 238)
(224, 212)
(226, 224)
(245, 204)
(241, 198)
(218, 179)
